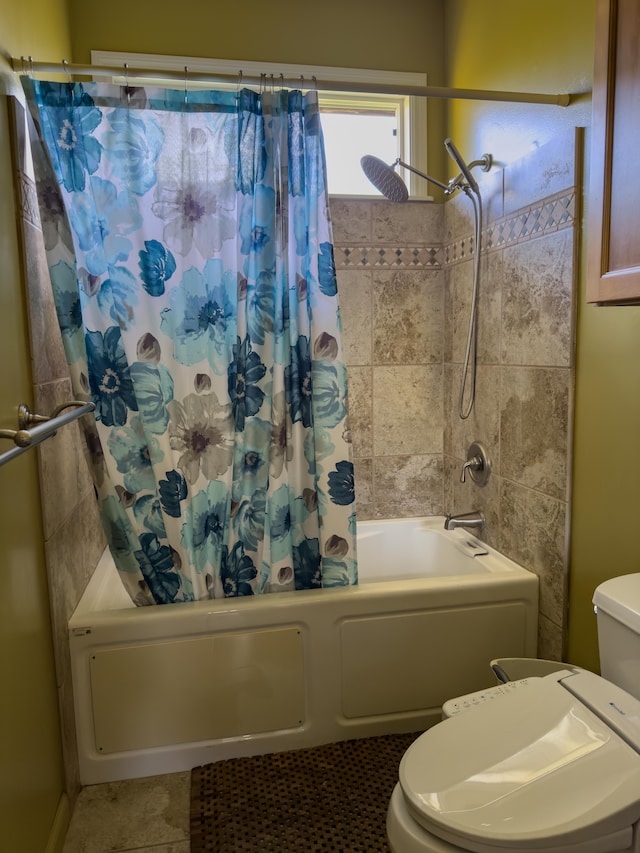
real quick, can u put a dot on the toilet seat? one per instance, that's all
(553, 766)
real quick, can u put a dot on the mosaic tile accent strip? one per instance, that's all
(548, 216)
(387, 257)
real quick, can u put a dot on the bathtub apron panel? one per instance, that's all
(163, 689)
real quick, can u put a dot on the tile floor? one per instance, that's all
(148, 815)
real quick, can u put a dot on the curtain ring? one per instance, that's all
(273, 88)
(301, 81)
(238, 86)
(126, 82)
(186, 94)
(315, 83)
(65, 66)
(281, 81)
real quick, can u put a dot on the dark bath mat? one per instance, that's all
(328, 798)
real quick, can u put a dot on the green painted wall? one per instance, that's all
(358, 33)
(403, 35)
(548, 47)
(32, 800)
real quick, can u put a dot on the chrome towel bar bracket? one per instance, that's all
(34, 429)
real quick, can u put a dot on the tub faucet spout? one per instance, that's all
(473, 519)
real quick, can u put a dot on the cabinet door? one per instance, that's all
(613, 232)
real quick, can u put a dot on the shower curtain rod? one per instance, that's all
(25, 65)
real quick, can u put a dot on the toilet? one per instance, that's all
(549, 762)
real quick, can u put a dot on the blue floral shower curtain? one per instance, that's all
(191, 259)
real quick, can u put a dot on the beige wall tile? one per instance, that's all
(351, 220)
(361, 410)
(459, 294)
(408, 486)
(407, 410)
(490, 298)
(413, 222)
(354, 287)
(363, 472)
(550, 640)
(483, 424)
(450, 391)
(533, 533)
(48, 358)
(407, 317)
(458, 219)
(537, 304)
(72, 552)
(489, 301)
(534, 423)
(64, 474)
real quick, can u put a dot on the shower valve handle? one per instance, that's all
(478, 465)
(473, 464)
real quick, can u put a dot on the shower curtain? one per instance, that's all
(190, 254)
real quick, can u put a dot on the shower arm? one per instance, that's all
(420, 174)
(459, 182)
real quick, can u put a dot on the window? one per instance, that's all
(387, 126)
(354, 125)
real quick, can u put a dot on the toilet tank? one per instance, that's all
(617, 606)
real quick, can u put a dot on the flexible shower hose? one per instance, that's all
(470, 358)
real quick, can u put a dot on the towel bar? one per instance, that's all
(34, 429)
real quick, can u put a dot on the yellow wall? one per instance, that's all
(548, 47)
(33, 806)
(545, 47)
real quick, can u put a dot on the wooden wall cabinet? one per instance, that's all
(613, 227)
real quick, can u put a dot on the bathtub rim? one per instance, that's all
(88, 613)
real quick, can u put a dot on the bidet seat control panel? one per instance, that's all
(471, 700)
(613, 705)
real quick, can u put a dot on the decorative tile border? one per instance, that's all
(548, 216)
(551, 214)
(387, 257)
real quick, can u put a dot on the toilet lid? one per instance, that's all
(553, 763)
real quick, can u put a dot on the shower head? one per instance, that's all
(455, 155)
(389, 182)
(384, 178)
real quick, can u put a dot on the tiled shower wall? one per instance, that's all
(392, 282)
(73, 537)
(405, 274)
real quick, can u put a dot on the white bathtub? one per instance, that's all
(162, 689)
